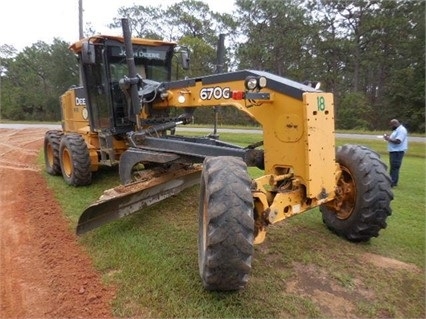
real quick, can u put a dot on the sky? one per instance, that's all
(24, 22)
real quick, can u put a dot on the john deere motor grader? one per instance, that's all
(121, 115)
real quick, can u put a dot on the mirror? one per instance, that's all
(88, 53)
(185, 59)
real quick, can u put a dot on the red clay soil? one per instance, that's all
(44, 271)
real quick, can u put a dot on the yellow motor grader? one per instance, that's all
(121, 115)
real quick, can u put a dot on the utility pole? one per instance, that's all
(80, 34)
(80, 19)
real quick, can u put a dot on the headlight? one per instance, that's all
(261, 82)
(250, 83)
(253, 82)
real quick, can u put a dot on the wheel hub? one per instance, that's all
(344, 202)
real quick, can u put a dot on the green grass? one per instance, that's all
(151, 257)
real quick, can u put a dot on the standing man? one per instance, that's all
(397, 146)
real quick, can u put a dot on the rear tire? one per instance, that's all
(52, 140)
(364, 195)
(75, 160)
(226, 224)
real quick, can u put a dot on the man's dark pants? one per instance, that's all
(395, 160)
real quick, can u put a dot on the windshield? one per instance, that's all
(152, 63)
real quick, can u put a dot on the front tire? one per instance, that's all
(52, 140)
(75, 160)
(363, 195)
(226, 224)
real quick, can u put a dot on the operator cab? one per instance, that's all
(103, 62)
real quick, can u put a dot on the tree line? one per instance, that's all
(369, 53)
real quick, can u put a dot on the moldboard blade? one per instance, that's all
(125, 200)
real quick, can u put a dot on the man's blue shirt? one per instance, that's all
(400, 133)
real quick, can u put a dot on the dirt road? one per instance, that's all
(44, 272)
